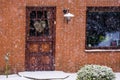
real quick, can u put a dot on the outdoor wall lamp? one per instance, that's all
(67, 15)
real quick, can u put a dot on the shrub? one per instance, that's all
(95, 72)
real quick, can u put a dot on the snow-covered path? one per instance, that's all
(72, 76)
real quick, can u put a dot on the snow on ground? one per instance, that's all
(117, 76)
(72, 76)
(12, 77)
(44, 74)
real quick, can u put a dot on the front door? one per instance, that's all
(40, 38)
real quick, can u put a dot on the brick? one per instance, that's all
(70, 38)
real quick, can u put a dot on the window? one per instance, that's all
(40, 21)
(103, 28)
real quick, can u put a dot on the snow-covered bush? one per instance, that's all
(95, 72)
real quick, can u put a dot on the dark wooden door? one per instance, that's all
(40, 38)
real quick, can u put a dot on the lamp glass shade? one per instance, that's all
(68, 15)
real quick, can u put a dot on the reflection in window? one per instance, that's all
(103, 29)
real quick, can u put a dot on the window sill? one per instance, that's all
(103, 50)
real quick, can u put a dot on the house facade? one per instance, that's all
(37, 37)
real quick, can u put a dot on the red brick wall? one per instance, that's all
(70, 52)
(12, 33)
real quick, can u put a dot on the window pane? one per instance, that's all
(39, 25)
(32, 28)
(33, 15)
(39, 14)
(103, 29)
